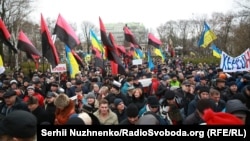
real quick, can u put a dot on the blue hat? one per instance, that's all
(117, 101)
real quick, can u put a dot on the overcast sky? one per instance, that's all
(151, 13)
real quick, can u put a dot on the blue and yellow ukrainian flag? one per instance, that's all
(216, 51)
(72, 63)
(139, 53)
(159, 52)
(207, 37)
(96, 43)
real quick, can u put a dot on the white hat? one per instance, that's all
(117, 84)
(13, 81)
(31, 87)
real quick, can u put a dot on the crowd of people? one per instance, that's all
(178, 94)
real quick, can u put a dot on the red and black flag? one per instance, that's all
(5, 36)
(129, 37)
(24, 44)
(105, 40)
(49, 50)
(65, 33)
(111, 51)
(117, 67)
(78, 58)
(152, 40)
(112, 40)
(118, 49)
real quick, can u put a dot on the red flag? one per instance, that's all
(129, 37)
(25, 45)
(65, 33)
(152, 40)
(48, 48)
(5, 36)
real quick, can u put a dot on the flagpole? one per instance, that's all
(16, 60)
(148, 48)
(29, 64)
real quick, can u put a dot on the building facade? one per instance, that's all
(138, 29)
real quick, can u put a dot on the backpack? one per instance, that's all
(161, 120)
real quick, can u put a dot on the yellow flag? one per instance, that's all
(2, 68)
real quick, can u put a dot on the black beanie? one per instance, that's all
(132, 110)
(203, 89)
(232, 83)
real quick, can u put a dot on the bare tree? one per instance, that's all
(243, 4)
(168, 30)
(13, 13)
(222, 26)
(241, 31)
(86, 26)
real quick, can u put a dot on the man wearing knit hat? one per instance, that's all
(31, 92)
(232, 91)
(132, 113)
(14, 85)
(120, 109)
(169, 109)
(203, 94)
(152, 107)
(92, 101)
